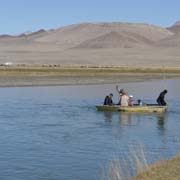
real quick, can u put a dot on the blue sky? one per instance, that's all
(17, 16)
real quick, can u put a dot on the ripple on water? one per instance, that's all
(56, 132)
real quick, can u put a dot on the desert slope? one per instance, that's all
(99, 44)
(175, 28)
(74, 35)
(116, 40)
(173, 40)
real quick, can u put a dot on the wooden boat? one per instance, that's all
(149, 108)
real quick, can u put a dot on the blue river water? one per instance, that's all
(54, 133)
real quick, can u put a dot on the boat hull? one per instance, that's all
(138, 109)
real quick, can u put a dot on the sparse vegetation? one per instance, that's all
(27, 75)
(123, 169)
(137, 168)
(164, 170)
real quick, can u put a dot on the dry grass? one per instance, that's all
(165, 170)
(124, 169)
(136, 167)
(86, 69)
(24, 75)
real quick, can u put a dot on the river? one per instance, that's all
(55, 132)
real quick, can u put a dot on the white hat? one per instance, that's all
(131, 96)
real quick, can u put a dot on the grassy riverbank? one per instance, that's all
(165, 170)
(76, 75)
(137, 161)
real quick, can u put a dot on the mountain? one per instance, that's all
(24, 36)
(175, 28)
(97, 35)
(177, 23)
(117, 44)
(116, 40)
(6, 36)
(104, 35)
(173, 40)
(38, 33)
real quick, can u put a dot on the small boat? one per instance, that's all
(149, 108)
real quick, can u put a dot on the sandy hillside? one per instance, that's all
(174, 40)
(115, 44)
(75, 34)
(175, 28)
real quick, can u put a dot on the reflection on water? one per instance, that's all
(129, 119)
(125, 118)
(137, 128)
(108, 116)
(161, 119)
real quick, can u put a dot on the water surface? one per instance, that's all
(56, 133)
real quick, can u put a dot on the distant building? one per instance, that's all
(8, 64)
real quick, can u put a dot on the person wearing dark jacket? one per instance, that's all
(160, 99)
(108, 100)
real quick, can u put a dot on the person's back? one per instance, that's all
(160, 99)
(108, 100)
(140, 102)
(131, 101)
(124, 100)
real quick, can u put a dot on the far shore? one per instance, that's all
(56, 75)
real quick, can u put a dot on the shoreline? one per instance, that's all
(22, 76)
(165, 169)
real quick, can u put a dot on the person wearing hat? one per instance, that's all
(108, 100)
(131, 101)
(160, 99)
(124, 99)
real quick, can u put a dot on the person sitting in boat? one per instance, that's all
(160, 99)
(124, 99)
(131, 101)
(108, 100)
(120, 94)
(140, 103)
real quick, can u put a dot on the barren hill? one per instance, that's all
(175, 28)
(116, 40)
(173, 40)
(125, 34)
(115, 44)
(75, 35)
